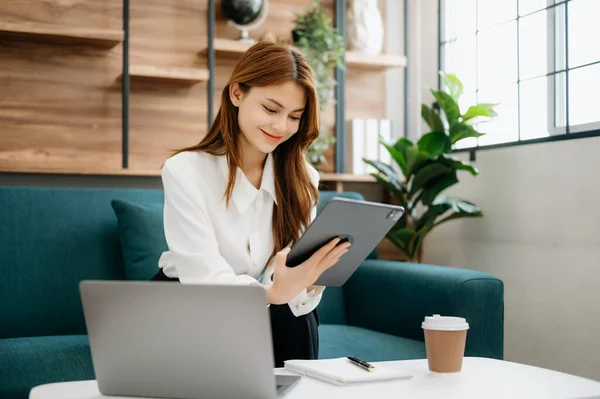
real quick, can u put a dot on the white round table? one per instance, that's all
(480, 378)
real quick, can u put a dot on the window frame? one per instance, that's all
(559, 133)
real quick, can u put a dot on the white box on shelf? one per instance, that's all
(385, 133)
(355, 146)
(371, 143)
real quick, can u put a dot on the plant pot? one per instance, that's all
(387, 250)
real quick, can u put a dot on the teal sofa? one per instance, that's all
(52, 238)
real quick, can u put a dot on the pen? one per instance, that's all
(361, 363)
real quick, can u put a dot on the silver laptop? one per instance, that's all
(170, 340)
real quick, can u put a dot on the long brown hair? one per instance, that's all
(264, 64)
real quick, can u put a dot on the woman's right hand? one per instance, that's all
(289, 281)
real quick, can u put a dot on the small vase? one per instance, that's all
(365, 27)
(295, 36)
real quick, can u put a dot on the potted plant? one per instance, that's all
(423, 170)
(321, 43)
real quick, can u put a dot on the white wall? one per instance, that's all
(540, 235)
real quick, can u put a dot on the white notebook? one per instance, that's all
(341, 371)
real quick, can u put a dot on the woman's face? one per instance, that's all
(268, 115)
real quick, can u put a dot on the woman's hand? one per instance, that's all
(289, 281)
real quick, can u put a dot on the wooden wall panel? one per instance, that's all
(99, 14)
(60, 106)
(164, 116)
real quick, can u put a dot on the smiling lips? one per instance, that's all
(271, 138)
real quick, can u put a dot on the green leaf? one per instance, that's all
(483, 109)
(460, 131)
(397, 191)
(402, 238)
(383, 168)
(432, 118)
(453, 84)
(415, 159)
(459, 215)
(387, 171)
(455, 204)
(424, 224)
(458, 164)
(402, 144)
(448, 105)
(426, 175)
(435, 143)
(397, 156)
(437, 187)
(432, 212)
(460, 208)
(419, 237)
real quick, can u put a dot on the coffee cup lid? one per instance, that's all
(445, 323)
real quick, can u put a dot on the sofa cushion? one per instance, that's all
(50, 240)
(332, 308)
(27, 362)
(340, 340)
(142, 236)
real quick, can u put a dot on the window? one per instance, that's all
(539, 59)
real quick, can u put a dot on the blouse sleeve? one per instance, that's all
(191, 237)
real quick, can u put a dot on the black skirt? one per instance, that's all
(293, 337)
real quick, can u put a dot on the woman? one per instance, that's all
(237, 200)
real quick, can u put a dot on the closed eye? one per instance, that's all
(272, 111)
(269, 110)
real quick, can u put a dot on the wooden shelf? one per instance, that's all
(88, 171)
(101, 38)
(176, 75)
(228, 47)
(380, 61)
(347, 178)
(340, 178)
(325, 177)
(234, 48)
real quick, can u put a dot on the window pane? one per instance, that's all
(494, 12)
(460, 19)
(460, 58)
(534, 108)
(584, 85)
(503, 128)
(498, 56)
(533, 45)
(584, 31)
(466, 143)
(529, 6)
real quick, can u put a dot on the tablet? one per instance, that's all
(363, 223)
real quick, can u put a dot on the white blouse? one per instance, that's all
(210, 243)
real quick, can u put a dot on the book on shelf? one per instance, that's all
(362, 141)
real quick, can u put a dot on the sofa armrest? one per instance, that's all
(394, 297)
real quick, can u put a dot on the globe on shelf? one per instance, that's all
(245, 15)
